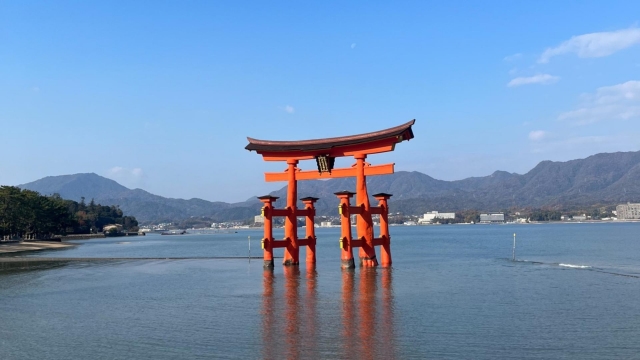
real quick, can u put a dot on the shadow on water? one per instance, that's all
(292, 327)
(13, 267)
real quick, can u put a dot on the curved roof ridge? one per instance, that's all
(315, 144)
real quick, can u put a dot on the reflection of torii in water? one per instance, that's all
(293, 331)
(324, 151)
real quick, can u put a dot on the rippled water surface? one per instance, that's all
(452, 293)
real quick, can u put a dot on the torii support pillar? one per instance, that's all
(346, 242)
(385, 238)
(267, 239)
(364, 222)
(310, 240)
(269, 243)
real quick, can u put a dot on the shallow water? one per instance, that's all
(452, 293)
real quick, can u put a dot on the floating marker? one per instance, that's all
(514, 247)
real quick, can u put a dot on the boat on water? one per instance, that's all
(174, 232)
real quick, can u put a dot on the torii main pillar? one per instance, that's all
(324, 151)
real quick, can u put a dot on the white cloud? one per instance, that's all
(577, 146)
(127, 177)
(582, 146)
(35, 89)
(617, 102)
(353, 45)
(137, 172)
(594, 44)
(512, 57)
(289, 109)
(537, 135)
(543, 79)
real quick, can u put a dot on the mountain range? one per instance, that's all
(601, 179)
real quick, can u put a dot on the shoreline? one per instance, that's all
(27, 246)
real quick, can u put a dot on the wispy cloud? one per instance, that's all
(126, 176)
(617, 102)
(581, 145)
(512, 57)
(353, 45)
(543, 79)
(594, 44)
(537, 135)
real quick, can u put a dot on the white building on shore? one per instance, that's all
(491, 218)
(428, 217)
(628, 211)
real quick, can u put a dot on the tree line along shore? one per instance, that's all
(25, 214)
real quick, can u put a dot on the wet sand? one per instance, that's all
(10, 248)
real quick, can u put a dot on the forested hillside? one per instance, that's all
(27, 214)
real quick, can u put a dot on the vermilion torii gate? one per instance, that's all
(324, 151)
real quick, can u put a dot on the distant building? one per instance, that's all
(426, 218)
(325, 223)
(582, 217)
(258, 219)
(628, 211)
(491, 218)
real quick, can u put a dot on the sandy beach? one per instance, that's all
(14, 247)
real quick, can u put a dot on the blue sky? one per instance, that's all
(161, 95)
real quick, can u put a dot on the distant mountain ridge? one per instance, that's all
(606, 179)
(137, 202)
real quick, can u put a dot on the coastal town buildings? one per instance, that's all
(628, 211)
(491, 218)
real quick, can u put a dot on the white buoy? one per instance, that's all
(514, 247)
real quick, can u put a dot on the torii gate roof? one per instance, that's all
(373, 142)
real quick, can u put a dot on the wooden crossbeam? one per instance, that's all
(279, 243)
(335, 173)
(283, 243)
(358, 242)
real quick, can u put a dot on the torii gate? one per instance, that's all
(324, 151)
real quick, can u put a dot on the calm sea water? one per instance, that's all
(452, 293)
